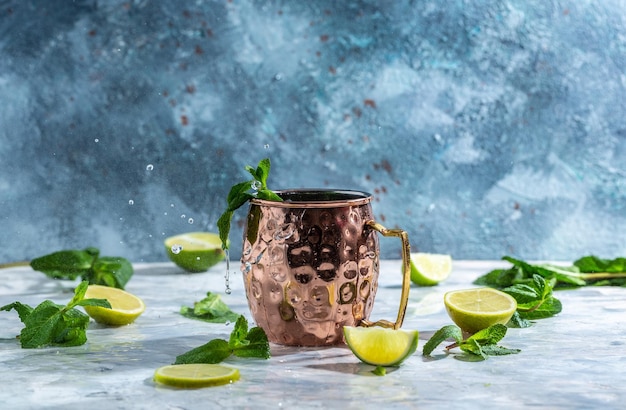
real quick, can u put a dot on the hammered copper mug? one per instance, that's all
(310, 265)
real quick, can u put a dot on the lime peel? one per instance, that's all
(381, 346)
(196, 375)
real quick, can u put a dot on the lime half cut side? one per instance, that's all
(193, 376)
(428, 269)
(195, 251)
(476, 309)
(125, 307)
(380, 346)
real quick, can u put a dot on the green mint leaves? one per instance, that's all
(476, 347)
(50, 324)
(210, 309)
(535, 299)
(70, 264)
(588, 270)
(244, 191)
(242, 343)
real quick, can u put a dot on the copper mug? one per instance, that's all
(310, 265)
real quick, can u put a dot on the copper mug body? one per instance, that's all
(310, 265)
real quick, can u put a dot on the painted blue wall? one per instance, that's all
(483, 128)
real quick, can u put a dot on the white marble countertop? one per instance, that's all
(574, 360)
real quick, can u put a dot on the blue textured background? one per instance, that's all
(483, 128)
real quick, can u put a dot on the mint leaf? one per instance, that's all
(256, 345)
(493, 350)
(473, 347)
(595, 264)
(242, 343)
(239, 333)
(212, 352)
(210, 309)
(535, 299)
(86, 263)
(476, 347)
(67, 264)
(240, 193)
(111, 271)
(490, 335)
(518, 322)
(441, 335)
(50, 324)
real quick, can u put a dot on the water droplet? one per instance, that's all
(227, 275)
(176, 249)
(183, 216)
(171, 205)
(190, 221)
(131, 202)
(266, 146)
(149, 167)
(256, 185)
(96, 140)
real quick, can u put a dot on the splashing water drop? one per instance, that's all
(149, 167)
(96, 140)
(176, 249)
(183, 216)
(227, 289)
(266, 146)
(190, 221)
(131, 202)
(256, 185)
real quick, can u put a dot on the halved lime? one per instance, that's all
(125, 307)
(478, 308)
(380, 346)
(428, 269)
(195, 375)
(195, 251)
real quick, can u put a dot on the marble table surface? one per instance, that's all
(574, 360)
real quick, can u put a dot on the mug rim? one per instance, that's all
(345, 197)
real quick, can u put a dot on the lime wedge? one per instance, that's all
(428, 269)
(189, 376)
(125, 307)
(476, 309)
(380, 346)
(195, 251)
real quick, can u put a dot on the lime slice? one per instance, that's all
(195, 375)
(195, 251)
(428, 269)
(380, 346)
(125, 307)
(476, 309)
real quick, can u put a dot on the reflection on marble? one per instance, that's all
(573, 361)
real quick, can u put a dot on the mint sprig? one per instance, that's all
(478, 346)
(210, 309)
(50, 324)
(109, 271)
(242, 343)
(242, 192)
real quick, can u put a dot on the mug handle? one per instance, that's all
(406, 275)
